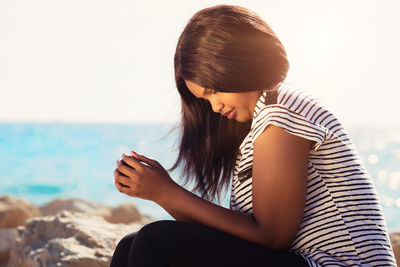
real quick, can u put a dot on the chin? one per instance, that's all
(241, 119)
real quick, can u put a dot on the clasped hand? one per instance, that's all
(136, 179)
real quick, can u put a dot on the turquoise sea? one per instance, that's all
(44, 161)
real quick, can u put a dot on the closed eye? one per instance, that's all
(211, 92)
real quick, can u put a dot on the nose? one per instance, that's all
(216, 105)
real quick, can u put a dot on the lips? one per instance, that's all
(226, 113)
(229, 114)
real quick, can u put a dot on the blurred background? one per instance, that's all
(84, 81)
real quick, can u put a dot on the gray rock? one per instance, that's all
(7, 238)
(14, 211)
(67, 239)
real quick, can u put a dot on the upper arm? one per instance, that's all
(280, 172)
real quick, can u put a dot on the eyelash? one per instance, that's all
(213, 92)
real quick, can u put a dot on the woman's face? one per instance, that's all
(238, 106)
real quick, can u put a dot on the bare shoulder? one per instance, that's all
(280, 173)
(275, 136)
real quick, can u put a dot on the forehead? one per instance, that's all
(195, 89)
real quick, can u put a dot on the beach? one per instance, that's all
(71, 232)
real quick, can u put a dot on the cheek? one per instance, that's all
(232, 100)
(237, 102)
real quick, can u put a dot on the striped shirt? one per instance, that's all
(342, 223)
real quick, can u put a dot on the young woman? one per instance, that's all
(300, 195)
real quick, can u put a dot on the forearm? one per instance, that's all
(176, 215)
(186, 206)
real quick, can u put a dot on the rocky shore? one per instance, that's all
(64, 232)
(71, 232)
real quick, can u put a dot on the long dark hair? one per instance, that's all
(227, 49)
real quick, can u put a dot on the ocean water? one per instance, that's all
(44, 161)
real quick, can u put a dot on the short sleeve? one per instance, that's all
(288, 120)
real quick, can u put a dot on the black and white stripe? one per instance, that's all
(343, 223)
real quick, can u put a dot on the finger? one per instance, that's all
(121, 188)
(120, 185)
(125, 190)
(125, 169)
(153, 163)
(117, 176)
(124, 159)
(126, 181)
(134, 163)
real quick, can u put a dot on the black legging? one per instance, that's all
(180, 244)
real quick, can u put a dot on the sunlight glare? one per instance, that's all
(324, 40)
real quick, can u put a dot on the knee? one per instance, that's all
(156, 228)
(121, 252)
(125, 242)
(151, 235)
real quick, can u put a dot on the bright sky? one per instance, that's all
(112, 61)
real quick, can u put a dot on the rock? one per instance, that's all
(395, 240)
(125, 213)
(75, 205)
(68, 240)
(15, 211)
(7, 238)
